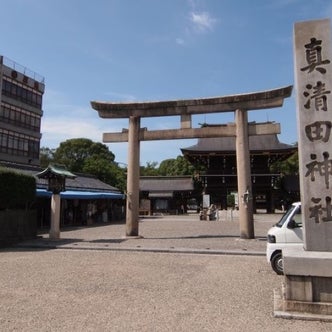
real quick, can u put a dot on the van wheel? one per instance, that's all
(277, 263)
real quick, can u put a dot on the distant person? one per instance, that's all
(212, 212)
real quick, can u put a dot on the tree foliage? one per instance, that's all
(178, 166)
(16, 190)
(82, 155)
(168, 167)
(77, 152)
(150, 169)
(46, 156)
(108, 172)
(290, 166)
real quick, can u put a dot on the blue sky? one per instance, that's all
(146, 50)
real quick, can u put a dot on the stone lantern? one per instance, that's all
(56, 176)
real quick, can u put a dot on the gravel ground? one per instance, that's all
(112, 290)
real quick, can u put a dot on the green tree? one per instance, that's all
(290, 166)
(289, 172)
(74, 153)
(16, 190)
(181, 166)
(150, 169)
(46, 156)
(231, 201)
(82, 155)
(178, 166)
(108, 172)
(166, 167)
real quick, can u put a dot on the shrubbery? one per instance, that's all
(17, 190)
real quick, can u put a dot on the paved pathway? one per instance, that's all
(184, 233)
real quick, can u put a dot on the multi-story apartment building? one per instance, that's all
(21, 94)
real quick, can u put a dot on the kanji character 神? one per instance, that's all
(323, 168)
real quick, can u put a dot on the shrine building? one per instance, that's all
(218, 157)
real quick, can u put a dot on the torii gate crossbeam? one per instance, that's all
(239, 104)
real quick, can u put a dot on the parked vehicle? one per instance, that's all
(287, 233)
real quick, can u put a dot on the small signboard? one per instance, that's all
(206, 201)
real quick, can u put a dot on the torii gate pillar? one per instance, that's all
(133, 176)
(244, 175)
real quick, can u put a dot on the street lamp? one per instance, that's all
(56, 176)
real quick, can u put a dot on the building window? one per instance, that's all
(18, 144)
(18, 91)
(19, 117)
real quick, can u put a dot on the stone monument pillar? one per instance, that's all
(313, 70)
(308, 272)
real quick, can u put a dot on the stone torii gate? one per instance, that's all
(239, 104)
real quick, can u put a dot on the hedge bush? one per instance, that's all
(17, 190)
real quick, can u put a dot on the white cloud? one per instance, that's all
(63, 120)
(202, 22)
(179, 41)
(57, 130)
(198, 22)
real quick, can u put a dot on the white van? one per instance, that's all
(287, 233)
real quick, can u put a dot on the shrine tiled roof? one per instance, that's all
(166, 183)
(257, 143)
